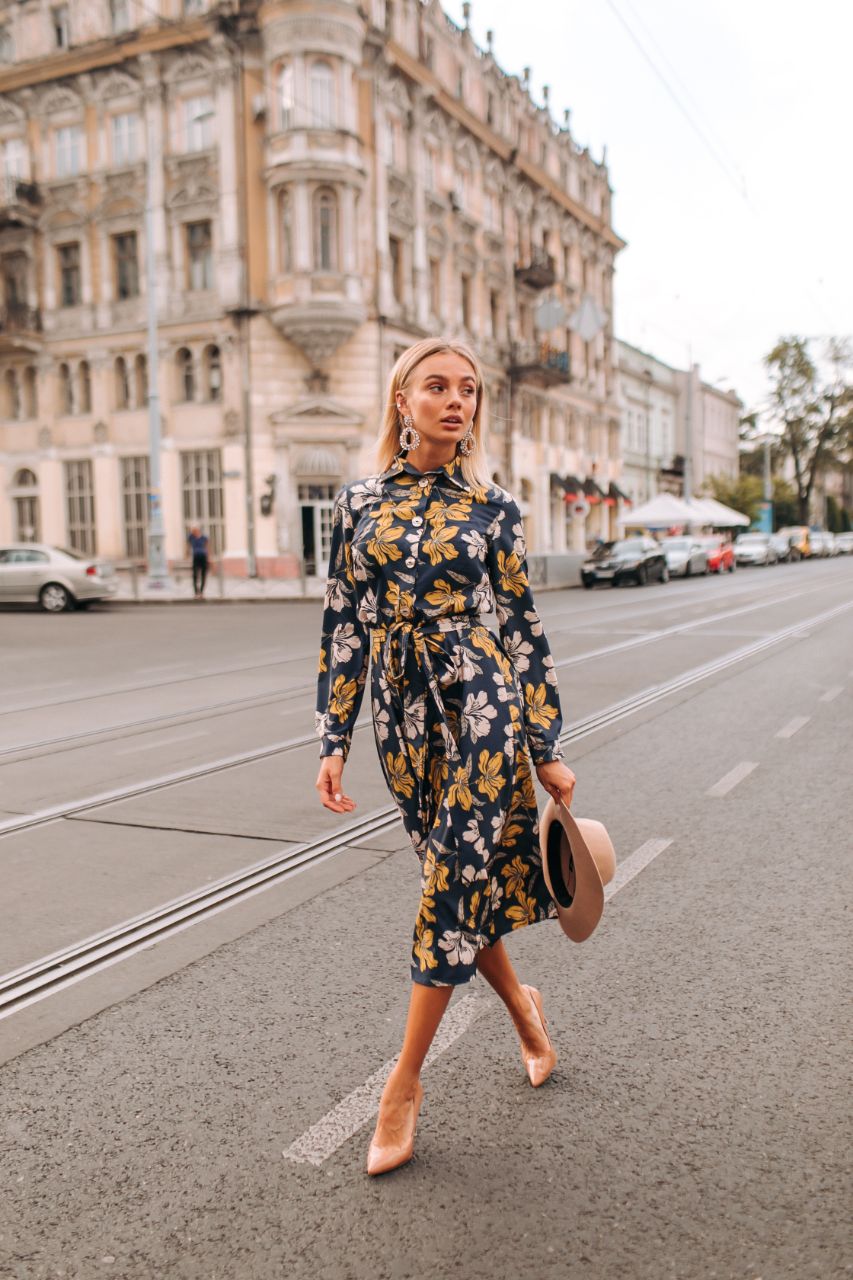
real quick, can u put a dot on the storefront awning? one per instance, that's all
(616, 494)
(570, 486)
(592, 492)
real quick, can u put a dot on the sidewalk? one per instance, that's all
(134, 589)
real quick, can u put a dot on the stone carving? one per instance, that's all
(319, 327)
(100, 433)
(231, 423)
(45, 438)
(117, 84)
(188, 67)
(59, 99)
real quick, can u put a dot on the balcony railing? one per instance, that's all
(17, 318)
(19, 201)
(539, 272)
(540, 362)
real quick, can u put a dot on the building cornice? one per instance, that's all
(427, 80)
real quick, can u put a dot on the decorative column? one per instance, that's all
(420, 261)
(229, 263)
(385, 290)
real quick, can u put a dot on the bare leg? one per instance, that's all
(426, 1009)
(495, 965)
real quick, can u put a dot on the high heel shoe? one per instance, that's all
(538, 1066)
(383, 1159)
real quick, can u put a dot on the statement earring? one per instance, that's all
(409, 437)
(466, 444)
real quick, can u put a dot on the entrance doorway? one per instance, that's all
(316, 505)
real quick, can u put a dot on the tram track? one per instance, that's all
(35, 981)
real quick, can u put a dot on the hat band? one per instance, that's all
(554, 848)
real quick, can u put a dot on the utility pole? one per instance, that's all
(688, 433)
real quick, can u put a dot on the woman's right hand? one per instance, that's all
(330, 786)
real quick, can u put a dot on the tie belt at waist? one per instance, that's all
(399, 634)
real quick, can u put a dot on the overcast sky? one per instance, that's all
(733, 241)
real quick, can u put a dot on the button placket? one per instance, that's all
(418, 522)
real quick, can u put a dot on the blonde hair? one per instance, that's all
(473, 465)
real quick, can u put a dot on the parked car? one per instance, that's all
(821, 543)
(798, 537)
(720, 553)
(53, 577)
(684, 556)
(844, 544)
(785, 552)
(755, 548)
(630, 559)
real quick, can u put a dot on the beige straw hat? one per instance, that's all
(577, 862)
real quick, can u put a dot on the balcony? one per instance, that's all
(540, 363)
(20, 203)
(539, 272)
(20, 328)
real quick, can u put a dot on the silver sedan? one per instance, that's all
(684, 556)
(53, 577)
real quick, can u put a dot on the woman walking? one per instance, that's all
(419, 552)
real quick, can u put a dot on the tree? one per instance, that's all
(746, 493)
(813, 409)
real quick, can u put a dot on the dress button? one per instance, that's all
(423, 483)
(416, 520)
(411, 562)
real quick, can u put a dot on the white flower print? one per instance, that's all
(464, 663)
(345, 643)
(336, 595)
(531, 616)
(470, 873)
(518, 650)
(474, 836)
(459, 947)
(476, 715)
(381, 720)
(413, 717)
(504, 690)
(476, 544)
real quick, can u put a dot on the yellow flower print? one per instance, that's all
(539, 710)
(444, 596)
(322, 666)
(426, 911)
(516, 873)
(439, 546)
(459, 791)
(401, 779)
(483, 640)
(382, 546)
(438, 512)
(491, 774)
(512, 575)
(402, 602)
(471, 922)
(390, 511)
(510, 834)
(522, 913)
(343, 697)
(424, 939)
(417, 758)
(437, 774)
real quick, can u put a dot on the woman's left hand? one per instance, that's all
(558, 781)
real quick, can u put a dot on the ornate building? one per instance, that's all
(331, 181)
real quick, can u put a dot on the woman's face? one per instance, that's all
(441, 398)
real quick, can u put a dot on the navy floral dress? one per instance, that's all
(416, 560)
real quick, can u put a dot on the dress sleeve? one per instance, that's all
(522, 634)
(344, 647)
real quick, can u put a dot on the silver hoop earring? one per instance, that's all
(466, 444)
(409, 437)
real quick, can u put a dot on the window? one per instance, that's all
(140, 381)
(134, 500)
(465, 300)
(125, 146)
(61, 30)
(30, 392)
(201, 482)
(286, 223)
(317, 503)
(15, 272)
(126, 265)
(322, 86)
(80, 506)
(26, 507)
(120, 16)
(192, 8)
(285, 97)
(11, 395)
(495, 312)
(435, 287)
(198, 123)
(66, 390)
(122, 383)
(325, 230)
(14, 158)
(199, 255)
(69, 151)
(84, 387)
(69, 274)
(186, 374)
(212, 365)
(395, 249)
(490, 108)
(7, 46)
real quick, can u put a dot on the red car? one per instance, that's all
(721, 554)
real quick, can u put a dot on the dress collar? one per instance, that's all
(451, 471)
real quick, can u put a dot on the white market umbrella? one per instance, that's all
(659, 513)
(714, 512)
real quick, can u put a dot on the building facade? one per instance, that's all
(329, 182)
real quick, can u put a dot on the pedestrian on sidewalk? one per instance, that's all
(419, 551)
(198, 543)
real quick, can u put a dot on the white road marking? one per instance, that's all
(832, 694)
(793, 726)
(340, 1124)
(163, 742)
(730, 781)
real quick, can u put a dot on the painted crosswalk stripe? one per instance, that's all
(731, 779)
(793, 726)
(340, 1124)
(831, 694)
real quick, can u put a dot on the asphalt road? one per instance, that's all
(697, 1124)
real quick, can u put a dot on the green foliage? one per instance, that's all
(786, 508)
(845, 520)
(744, 493)
(833, 515)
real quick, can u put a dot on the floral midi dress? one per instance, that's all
(417, 559)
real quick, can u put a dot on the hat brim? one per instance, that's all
(577, 861)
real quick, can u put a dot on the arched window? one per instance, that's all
(25, 479)
(322, 85)
(66, 390)
(26, 503)
(140, 381)
(325, 230)
(186, 374)
(285, 97)
(84, 387)
(11, 395)
(212, 363)
(286, 223)
(122, 383)
(31, 407)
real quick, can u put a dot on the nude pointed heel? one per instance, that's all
(538, 1066)
(384, 1159)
